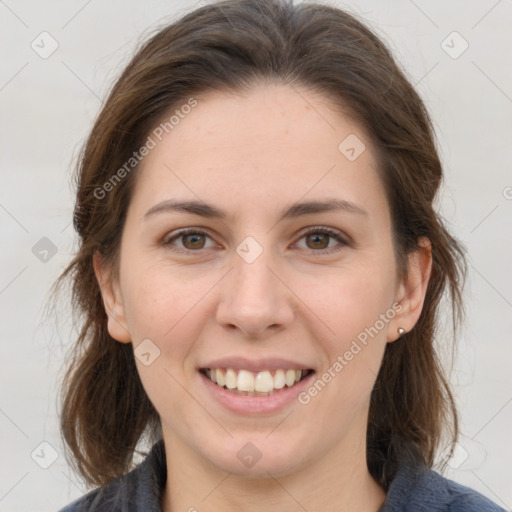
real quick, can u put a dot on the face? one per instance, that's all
(258, 252)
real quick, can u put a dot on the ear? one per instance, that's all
(112, 300)
(412, 290)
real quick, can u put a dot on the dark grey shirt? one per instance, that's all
(414, 489)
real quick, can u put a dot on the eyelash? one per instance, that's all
(311, 230)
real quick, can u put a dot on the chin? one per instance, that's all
(258, 457)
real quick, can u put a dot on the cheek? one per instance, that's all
(342, 388)
(350, 300)
(163, 305)
(356, 306)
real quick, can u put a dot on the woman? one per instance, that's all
(259, 272)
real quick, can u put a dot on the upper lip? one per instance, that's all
(255, 365)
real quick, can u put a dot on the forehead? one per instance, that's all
(273, 144)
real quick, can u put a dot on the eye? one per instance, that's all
(316, 238)
(323, 239)
(192, 239)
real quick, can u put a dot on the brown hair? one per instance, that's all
(232, 45)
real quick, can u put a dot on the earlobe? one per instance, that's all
(412, 290)
(112, 301)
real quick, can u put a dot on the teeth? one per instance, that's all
(254, 384)
(289, 377)
(219, 377)
(263, 382)
(279, 380)
(245, 381)
(230, 379)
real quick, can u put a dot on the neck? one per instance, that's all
(338, 481)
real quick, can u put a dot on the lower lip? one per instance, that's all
(242, 404)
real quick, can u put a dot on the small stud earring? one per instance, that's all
(401, 332)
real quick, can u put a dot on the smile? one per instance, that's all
(248, 383)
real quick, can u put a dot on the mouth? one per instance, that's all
(257, 384)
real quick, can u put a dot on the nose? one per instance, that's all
(254, 299)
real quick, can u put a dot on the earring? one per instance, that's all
(401, 332)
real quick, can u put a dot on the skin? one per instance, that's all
(254, 154)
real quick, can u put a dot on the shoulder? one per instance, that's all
(419, 488)
(140, 489)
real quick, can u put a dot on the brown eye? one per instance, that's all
(317, 241)
(321, 240)
(189, 240)
(193, 241)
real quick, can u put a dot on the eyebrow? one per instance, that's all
(295, 210)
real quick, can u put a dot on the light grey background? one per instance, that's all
(48, 106)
